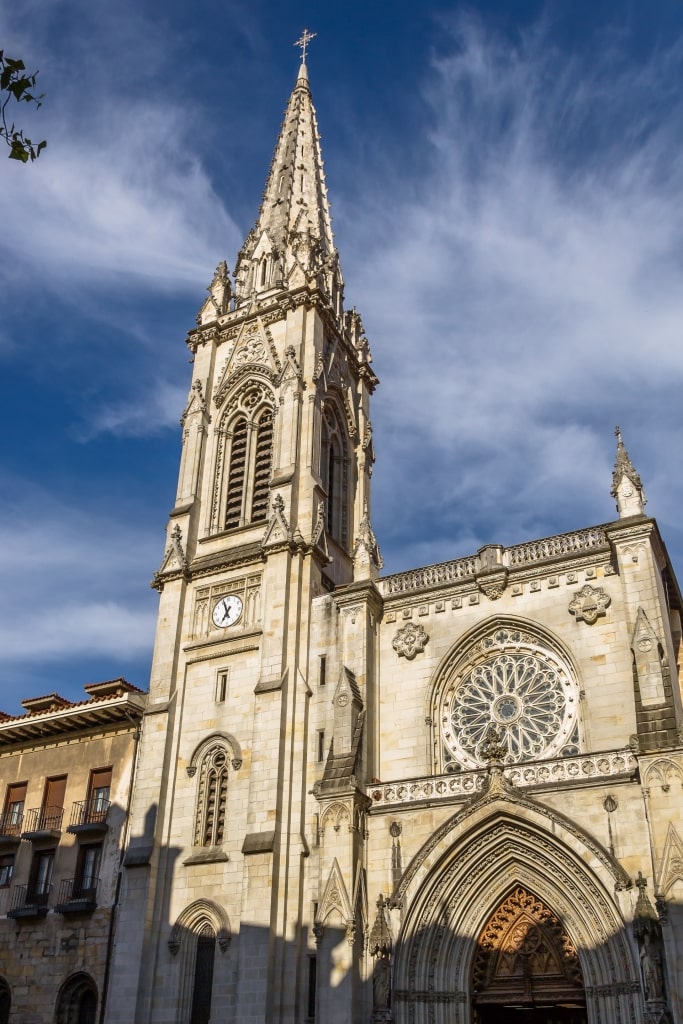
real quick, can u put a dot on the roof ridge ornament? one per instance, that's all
(627, 487)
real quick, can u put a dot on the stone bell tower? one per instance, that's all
(272, 512)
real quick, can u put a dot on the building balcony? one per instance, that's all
(89, 817)
(29, 901)
(77, 896)
(42, 823)
(10, 828)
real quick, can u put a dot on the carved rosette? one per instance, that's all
(589, 603)
(410, 640)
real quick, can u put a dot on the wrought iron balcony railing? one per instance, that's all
(77, 895)
(42, 821)
(29, 900)
(11, 826)
(89, 815)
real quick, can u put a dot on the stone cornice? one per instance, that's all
(363, 592)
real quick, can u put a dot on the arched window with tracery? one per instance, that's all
(334, 475)
(212, 797)
(77, 1001)
(5, 1001)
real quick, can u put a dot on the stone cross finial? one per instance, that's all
(303, 42)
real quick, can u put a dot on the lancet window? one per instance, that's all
(212, 797)
(334, 475)
(249, 470)
(202, 982)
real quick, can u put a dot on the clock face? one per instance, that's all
(227, 611)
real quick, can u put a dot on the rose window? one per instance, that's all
(522, 688)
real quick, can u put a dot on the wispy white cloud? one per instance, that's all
(145, 414)
(121, 197)
(73, 582)
(529, 293)
(121, 201)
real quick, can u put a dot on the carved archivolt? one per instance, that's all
(455, 894)
(193, 918)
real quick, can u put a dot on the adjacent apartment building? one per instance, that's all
(66, 772)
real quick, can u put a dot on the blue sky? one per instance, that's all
(507, 191)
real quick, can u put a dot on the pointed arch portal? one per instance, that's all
(510, 916)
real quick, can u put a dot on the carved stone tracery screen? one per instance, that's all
(525, 955)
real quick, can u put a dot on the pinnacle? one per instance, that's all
(623, 465)
(627, 487)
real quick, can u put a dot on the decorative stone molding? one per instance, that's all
(410, 640)
(464, 785)
(671, 867)
(566, 545)
(493, 584)
(589, 603)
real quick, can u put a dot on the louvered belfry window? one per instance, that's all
(212, 798)
(249, 470)
(262, 465)
(333, 475)
(236, 474)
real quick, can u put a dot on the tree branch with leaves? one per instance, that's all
(16, 85)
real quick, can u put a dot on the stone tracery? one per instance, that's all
(513, 679)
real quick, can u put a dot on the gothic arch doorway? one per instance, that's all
(526, 968)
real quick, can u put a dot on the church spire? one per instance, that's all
(291, 244)
(627, 487)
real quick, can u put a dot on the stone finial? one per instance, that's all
(380, 935)
(645, 916)
(367, 560)
(627, 487)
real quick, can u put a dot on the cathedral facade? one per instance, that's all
(450, 794)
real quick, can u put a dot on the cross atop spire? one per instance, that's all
(627, 487)
(303, 42)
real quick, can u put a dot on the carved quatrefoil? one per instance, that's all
(410, 640)
(589, 604)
